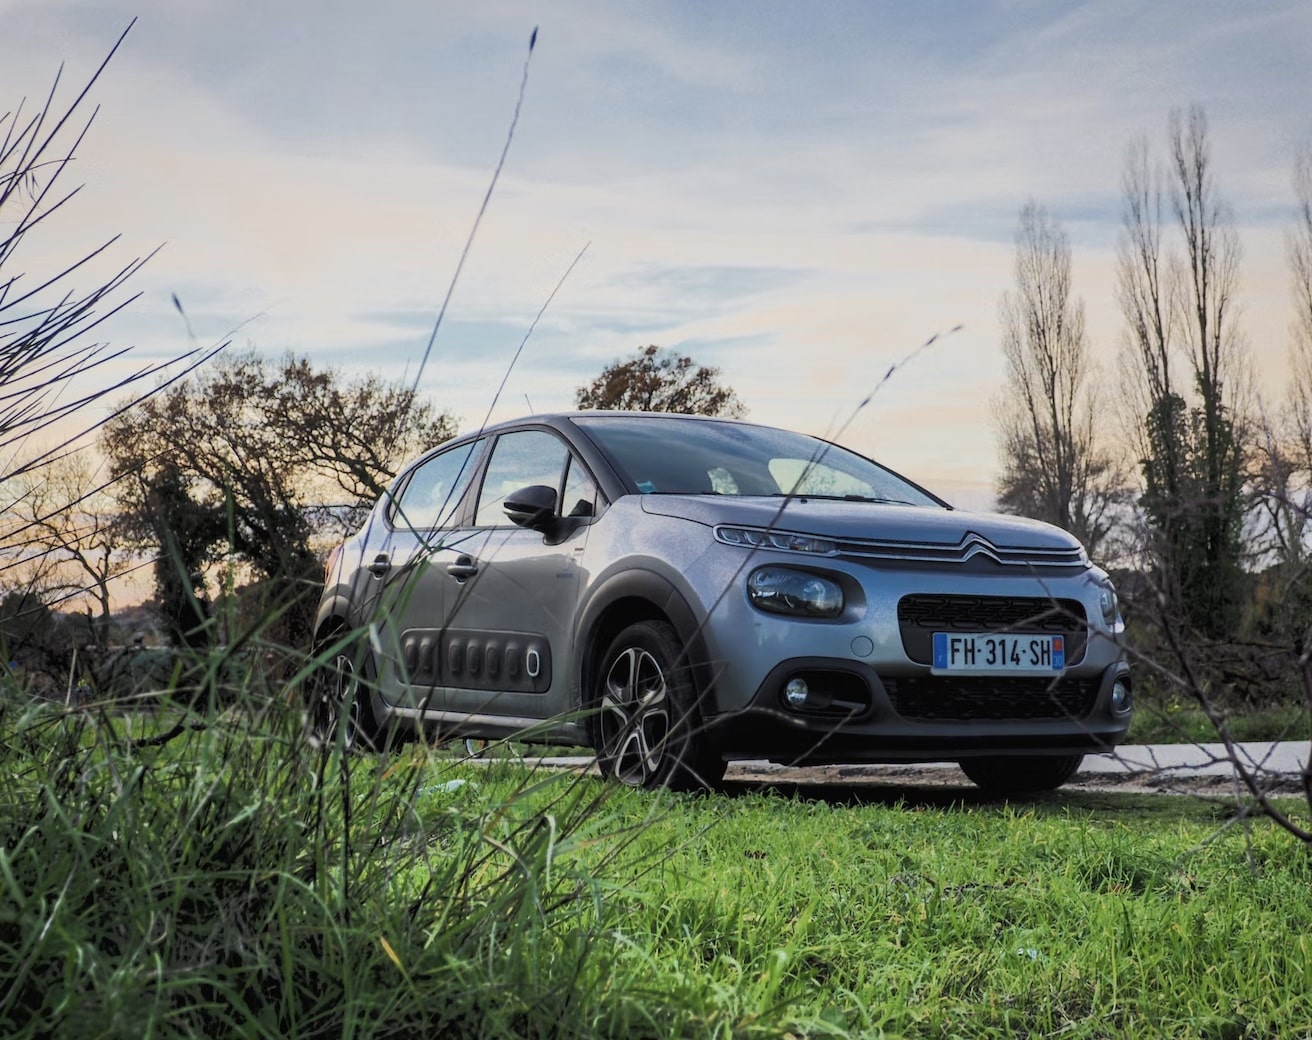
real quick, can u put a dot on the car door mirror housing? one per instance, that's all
(532, 506)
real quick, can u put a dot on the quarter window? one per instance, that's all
(580, 497)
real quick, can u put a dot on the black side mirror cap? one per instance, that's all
(532, 506)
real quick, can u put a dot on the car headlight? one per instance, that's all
(1111, 609)
(781, 590)
(768, 538)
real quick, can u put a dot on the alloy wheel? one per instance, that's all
(635, 716)
(337, 684)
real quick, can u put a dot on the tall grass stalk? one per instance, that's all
(207, 870)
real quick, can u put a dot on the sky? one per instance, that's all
(801, 194)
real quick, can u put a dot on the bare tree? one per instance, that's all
(1282, 488)
(1143, 287)
(53, 376)
(45, 318)
(1180, 313)
(59, 522)
(655, 380)
(1300, 353)
(1206, 299)
(1054, 468)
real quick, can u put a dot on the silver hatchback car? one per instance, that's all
(678, 592)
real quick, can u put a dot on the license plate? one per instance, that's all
(992, 653)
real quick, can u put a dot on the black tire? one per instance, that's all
(1021, 774)
(338, 692)
(647, 728)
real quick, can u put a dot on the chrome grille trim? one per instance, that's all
(970, 546)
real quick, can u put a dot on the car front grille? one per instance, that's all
(939, 698)
(970, 549)
(920, 616)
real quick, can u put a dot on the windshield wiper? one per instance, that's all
(855, 498)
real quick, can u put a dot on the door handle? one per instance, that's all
(381, 565)
(464, 567)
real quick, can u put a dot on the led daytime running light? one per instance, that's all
(788, 541)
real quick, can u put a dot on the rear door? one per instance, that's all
(411, 574)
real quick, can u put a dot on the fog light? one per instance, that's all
(1120, 697)
(796, 692)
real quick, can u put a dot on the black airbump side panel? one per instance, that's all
(511, 662)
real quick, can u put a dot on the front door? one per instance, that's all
(511, 602)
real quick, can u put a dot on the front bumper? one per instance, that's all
(857, 715)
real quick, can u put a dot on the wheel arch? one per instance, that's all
(335, 625)
(629, 597)
(333, 618)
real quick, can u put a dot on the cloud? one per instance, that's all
(800, 194)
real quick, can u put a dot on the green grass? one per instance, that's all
(234, 881)
(1173, 721)
(1084, 915)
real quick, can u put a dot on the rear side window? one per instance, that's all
(430, 496)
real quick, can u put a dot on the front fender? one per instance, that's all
(627, 591)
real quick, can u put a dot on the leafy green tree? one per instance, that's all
(252, 457)
(656, 380)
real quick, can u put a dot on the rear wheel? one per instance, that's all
(1021, 774)
(338, 700)
(647, 728)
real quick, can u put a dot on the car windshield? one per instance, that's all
(682, 456)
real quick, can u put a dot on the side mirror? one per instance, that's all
(531, 506)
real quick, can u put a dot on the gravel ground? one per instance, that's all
(1192, 769)
(1197, 769)
(949, 777)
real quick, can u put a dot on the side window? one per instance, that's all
(430, 496)
(580, 497)
(518, 460)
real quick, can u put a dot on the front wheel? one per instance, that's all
(337, 700)
(1021, 774)
(647, 727)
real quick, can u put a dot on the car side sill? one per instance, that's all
(543, 730)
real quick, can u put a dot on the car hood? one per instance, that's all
(863, 520)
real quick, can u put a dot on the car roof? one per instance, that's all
(559, 418)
